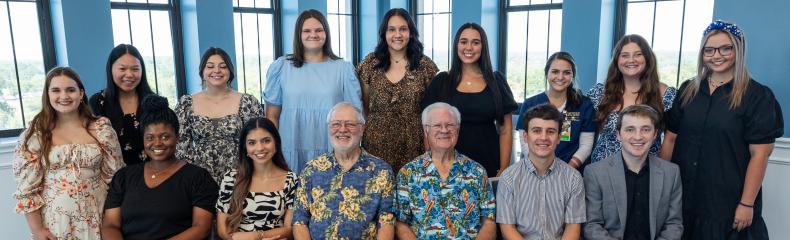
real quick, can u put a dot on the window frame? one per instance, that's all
(173, 7)
(354, 29)
(275, 11)
(413, 6)
(47, 50)
(504, 10)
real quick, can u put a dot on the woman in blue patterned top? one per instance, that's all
(632, 79)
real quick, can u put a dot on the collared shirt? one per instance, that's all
(337, 204)
(637, 185)
(450, 209)
(540, 206)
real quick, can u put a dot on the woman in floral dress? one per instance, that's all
(210, 120)
(64, 161)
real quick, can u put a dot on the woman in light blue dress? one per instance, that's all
(302, 87)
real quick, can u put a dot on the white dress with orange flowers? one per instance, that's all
(70, 189)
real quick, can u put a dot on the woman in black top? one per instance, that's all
(721, 133)
(164, 198)
(483, 98)
(126, 88)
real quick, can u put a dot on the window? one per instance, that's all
(255, 25)
(150, 26)
(674, 30)
(26, 52)
(533, 34)
(433, 22)
(342, 18)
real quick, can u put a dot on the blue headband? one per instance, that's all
(724, 26)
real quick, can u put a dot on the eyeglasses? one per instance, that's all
(350, 125)
(725, 50)
(439, 126)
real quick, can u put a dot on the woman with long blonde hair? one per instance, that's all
(720, 133)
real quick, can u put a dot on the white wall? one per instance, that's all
(775, 194)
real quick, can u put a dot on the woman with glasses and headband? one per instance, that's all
(483, 98)
(721, 132)
(578, 128)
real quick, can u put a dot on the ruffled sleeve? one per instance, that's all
(352, 92)
(250, 108)
(434, 90)
(29, 173)
(272, 92)
(596, 94)
(226, 191)
(183, 111)
(108, 141)
(764, 121)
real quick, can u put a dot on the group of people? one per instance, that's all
(392, 148)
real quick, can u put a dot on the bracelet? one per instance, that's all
(746, 205)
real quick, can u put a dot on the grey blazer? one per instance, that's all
(604, 183)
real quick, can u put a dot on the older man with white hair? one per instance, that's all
(443, 194)
(346, 193)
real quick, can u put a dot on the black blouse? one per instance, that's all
(163, 211)
(125, 126)
(712, 151)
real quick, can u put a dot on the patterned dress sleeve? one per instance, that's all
(352, 92)
(250, 108)
(183, 111)
(364, 69)
(595, 94)
(108, 140)
(290, 191)
(97, 103)
(272, 92)
(669, 98)
(226, 191)
(29, 173)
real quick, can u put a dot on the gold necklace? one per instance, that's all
(153, 175)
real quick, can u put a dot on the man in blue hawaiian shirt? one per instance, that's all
(443, 194)
(346, 193)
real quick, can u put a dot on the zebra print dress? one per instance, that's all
(262, 210)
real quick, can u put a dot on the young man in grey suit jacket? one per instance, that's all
(630, 195)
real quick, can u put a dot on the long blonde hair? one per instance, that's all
(741, 73)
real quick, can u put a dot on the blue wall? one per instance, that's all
(83, 39)
(767, 51)
(205, 24)
(589, 40)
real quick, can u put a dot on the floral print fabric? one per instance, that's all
(337, 204)
(70, 190)
(450, 209)
(213, 143)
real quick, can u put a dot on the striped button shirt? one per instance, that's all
(540, 206)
